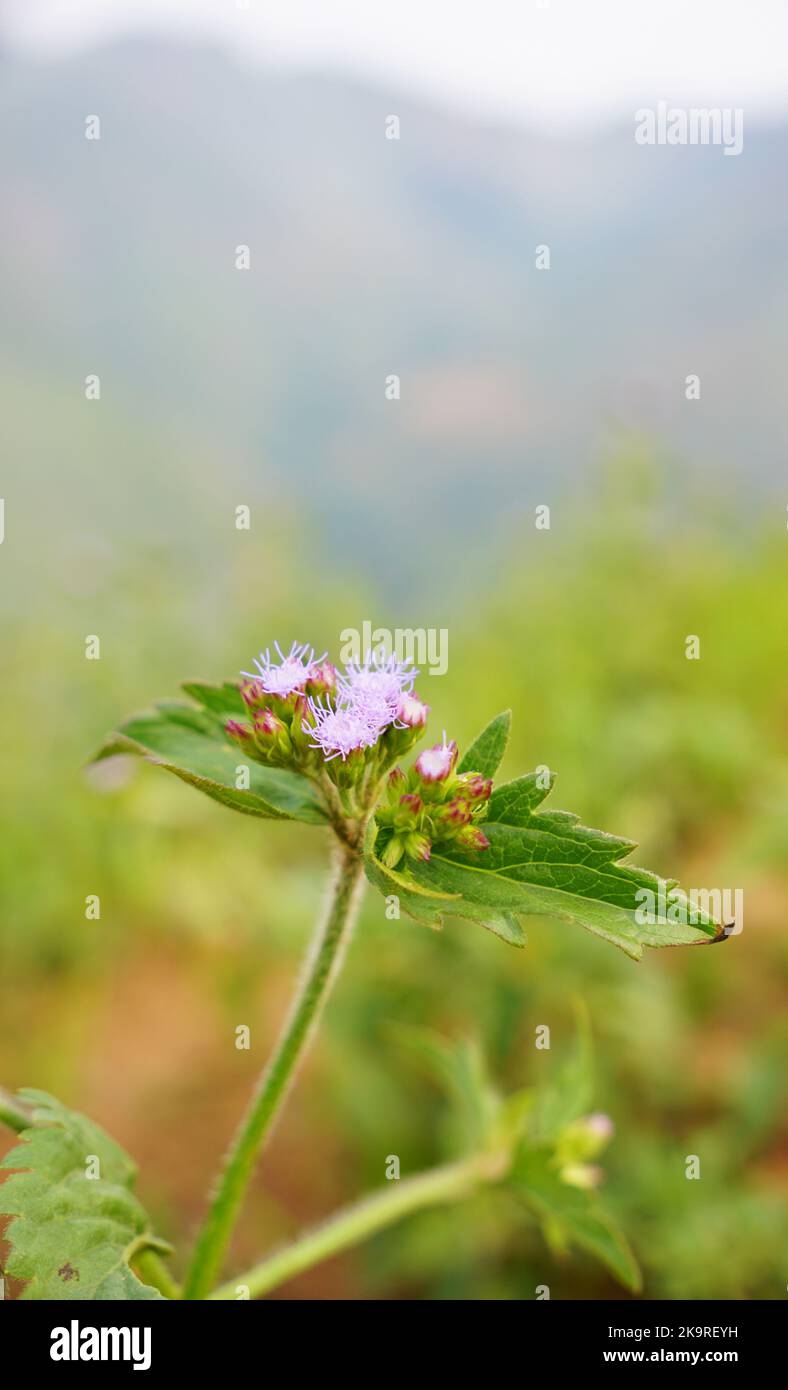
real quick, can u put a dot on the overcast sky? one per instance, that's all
(564, 61)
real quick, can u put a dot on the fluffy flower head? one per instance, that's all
(339, 728)
(378, 684)
(287, 675)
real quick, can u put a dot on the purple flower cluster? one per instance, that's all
(300, 708)
(340, 728)
(370, 697)
(299, 702)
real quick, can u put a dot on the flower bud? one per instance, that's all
(408, 812)
(455, 812)
(412, 712)
(322, 679)
(584, 1175)
(471, 837)
(393, 852)
(586, 1137)
(239, 733)
(284, 706)
(271, 733)
(437, 763)
(253, 694)
(396, 782)
(417, 846)
(267, 724)
(475, 787)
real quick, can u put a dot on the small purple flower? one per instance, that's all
(435, 764)
(378, 684)
(340, 728)
(290, 674)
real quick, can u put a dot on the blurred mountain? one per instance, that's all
(369, 257)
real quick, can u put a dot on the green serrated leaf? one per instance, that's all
(543, 862)
(572, 1215)
(428, 905)
(486, 751)
(550, 864)
(189, 742)
(73, 1236)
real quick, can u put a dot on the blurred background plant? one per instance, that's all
(203, 916)
(120, 522)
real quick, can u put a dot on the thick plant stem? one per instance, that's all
(357, 1222)
(321, 968)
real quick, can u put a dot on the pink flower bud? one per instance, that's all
(408, 812)
(237, 731)
(471, 837)
(267, 724)
(437, 763)
(412, 712)
(322, 679)
(417, 846)
(396, 782)
(476, 787)
(457, 811)
(252, 693)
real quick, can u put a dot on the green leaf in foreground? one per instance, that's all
(546, 863)
(73, 1236)
(190, 742)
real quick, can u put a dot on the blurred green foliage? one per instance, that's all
(581, 630)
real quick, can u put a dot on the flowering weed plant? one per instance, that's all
(297, 740)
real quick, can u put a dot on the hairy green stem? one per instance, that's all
(357, 1222)
(152, 1269)
(321, 969)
